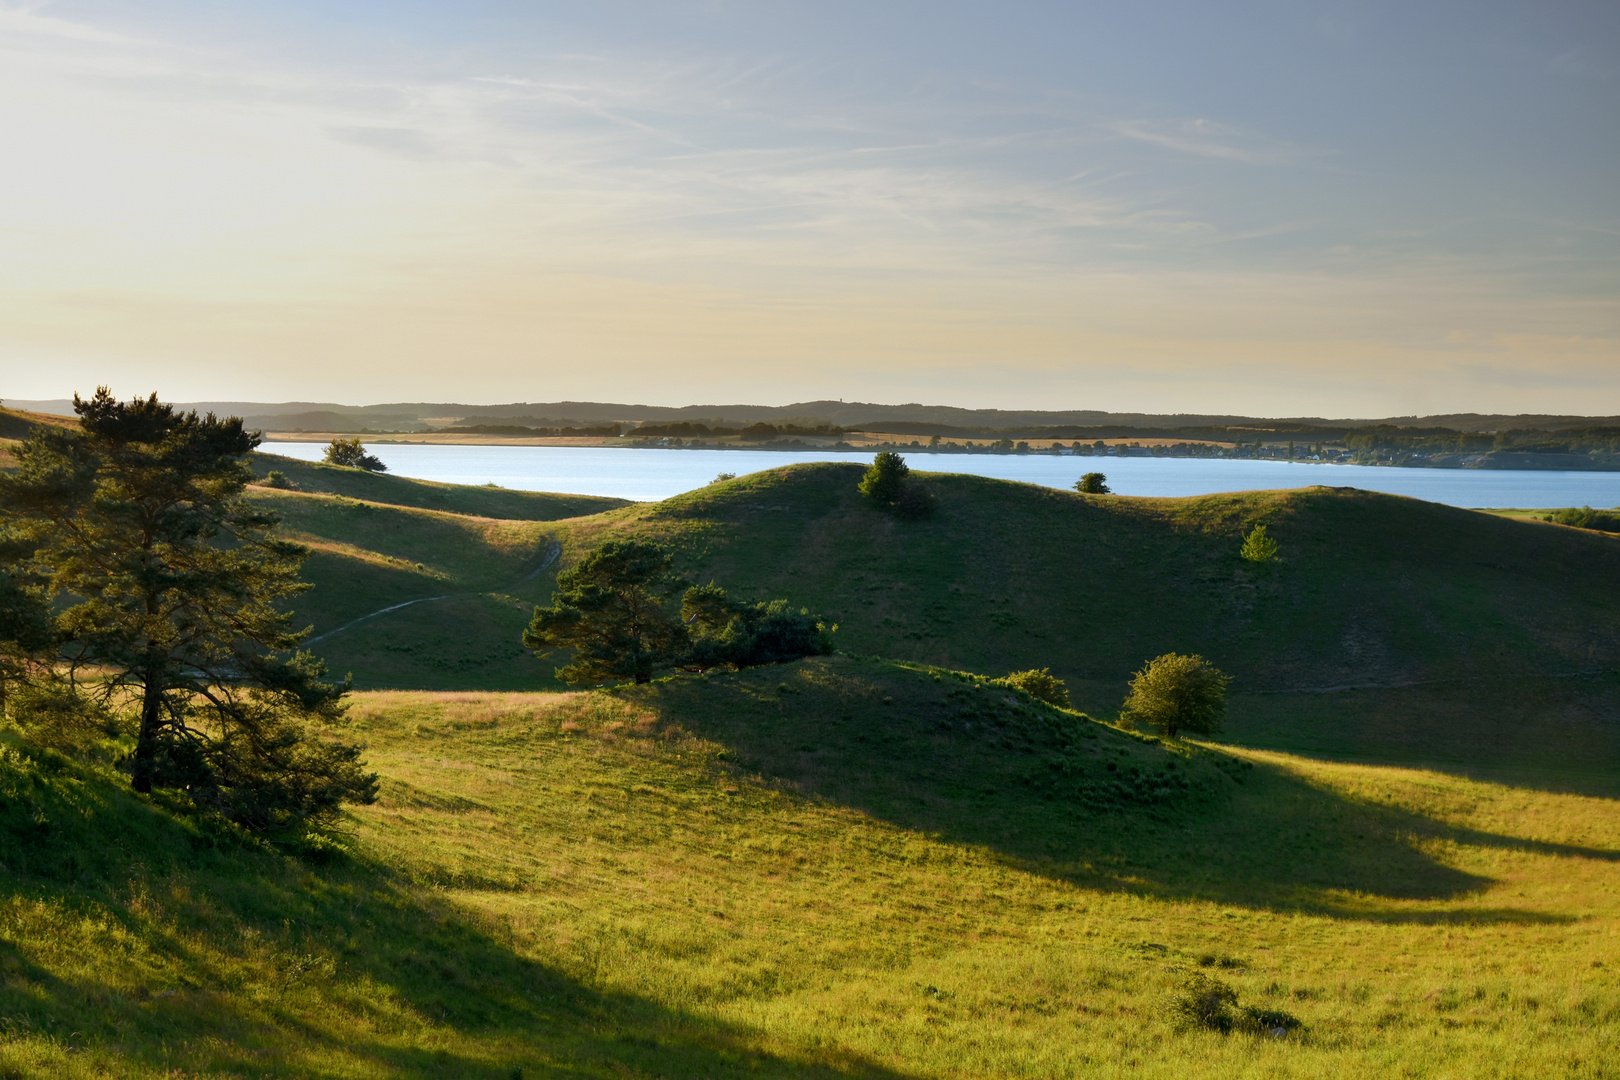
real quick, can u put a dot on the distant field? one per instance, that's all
(834, 868)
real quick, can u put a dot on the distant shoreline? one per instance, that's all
(858, 442)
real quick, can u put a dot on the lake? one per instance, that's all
(645, 474)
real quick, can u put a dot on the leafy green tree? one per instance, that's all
(167, 581)
(1178, 693)
(725, 633)
(1258, 547)
(1093, 483)
(1041, 685)
(608, 612)
(351, 453)
(885, 479)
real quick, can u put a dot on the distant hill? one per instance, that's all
(913, 419)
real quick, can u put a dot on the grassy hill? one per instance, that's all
(458, 556)
(831, 868)
(485, 502)
(1391, 629)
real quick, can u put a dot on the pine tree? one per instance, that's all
(608, 613)
(885, 480)
(169, 581)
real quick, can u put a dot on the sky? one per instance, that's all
(1271, 208)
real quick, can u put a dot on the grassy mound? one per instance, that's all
(487, 502)
(1390, 627)
(831, 868)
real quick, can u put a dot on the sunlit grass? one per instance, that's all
(721, 877)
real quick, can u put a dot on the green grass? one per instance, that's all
(368, 555)
(1391, 628)
(831, 868)
(488, 502)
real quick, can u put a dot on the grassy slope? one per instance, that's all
(1392, 628)
(831, 868)
(487, 502)
(381, 540)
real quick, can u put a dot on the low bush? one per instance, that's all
(1208, 1004)
(1041, 685)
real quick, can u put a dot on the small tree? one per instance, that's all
(885, 479)
(168, 583)
(1041, 685)
(351, 453)
(1093, 483)
(1258, 547)
(1178, 693)
(608, 612)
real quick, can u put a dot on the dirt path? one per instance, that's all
(551, 556)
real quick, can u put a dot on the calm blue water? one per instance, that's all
(641, 474)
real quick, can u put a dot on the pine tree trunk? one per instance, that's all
(146, 743)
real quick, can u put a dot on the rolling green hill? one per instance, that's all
(1391, 628)
(456, 557)
(835, 868)
(487, 502)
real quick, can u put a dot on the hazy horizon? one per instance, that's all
(1324, 209)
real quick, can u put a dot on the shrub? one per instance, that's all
(723, 477)
(1178, 693)
(1586, 518)
(351, 453)
(277, 479)
(1259, 547)
(1093, 483)
(1208, 1004)
(1039, 684)
(725, 633)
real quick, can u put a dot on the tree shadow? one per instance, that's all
(1080, 801)
(144, 937)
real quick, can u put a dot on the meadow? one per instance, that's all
(833, 868)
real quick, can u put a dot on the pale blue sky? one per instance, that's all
(1266, 207)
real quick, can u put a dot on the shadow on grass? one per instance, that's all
(1079, 801)
(140, 938)
(1546, 733)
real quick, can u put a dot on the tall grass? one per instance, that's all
(833, 868)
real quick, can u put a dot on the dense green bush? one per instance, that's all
(1178, 693)
(1041, 685)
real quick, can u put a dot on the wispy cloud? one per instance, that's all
(1207, 138)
